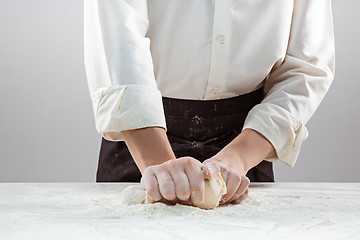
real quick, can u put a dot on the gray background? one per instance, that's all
(47, 130)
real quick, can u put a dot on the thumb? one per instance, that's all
(211, 170)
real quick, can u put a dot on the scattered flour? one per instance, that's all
(94, 211)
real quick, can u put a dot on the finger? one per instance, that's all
(166, 184)
(151, 186)
(211, 169)
(242, 188)
(196, 181)
(181, 181)
(232, 184)
(241, 198)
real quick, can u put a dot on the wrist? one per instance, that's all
(145, 162)
(232, 159)
(246, 151)
(148, 146)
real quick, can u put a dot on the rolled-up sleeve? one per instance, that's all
(295, 88)
(119, 66)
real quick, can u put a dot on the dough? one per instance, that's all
(133, 195)
(214, 189)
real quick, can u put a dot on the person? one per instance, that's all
(185, 90)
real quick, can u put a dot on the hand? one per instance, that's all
(236, 182)
(180, 179)
(244, 152)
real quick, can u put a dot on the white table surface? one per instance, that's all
(93, 211)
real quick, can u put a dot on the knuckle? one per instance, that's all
(147, 178)
(194, 166)
(160, 170)
(172, 163)
(188, 160)
(149, 170)
(170, 166)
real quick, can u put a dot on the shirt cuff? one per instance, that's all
(126, 107)
(285, 132)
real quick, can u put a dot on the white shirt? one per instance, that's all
(137, 51)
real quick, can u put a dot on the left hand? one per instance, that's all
(236, 182)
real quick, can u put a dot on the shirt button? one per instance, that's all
(216, 90)
(221, 39)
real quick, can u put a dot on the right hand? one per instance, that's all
(176, 180)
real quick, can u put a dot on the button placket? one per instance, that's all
(220, 49)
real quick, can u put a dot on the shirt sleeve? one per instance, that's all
(295, 88)
(119, 66)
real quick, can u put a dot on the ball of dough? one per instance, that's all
(214, 189)
(133, 195)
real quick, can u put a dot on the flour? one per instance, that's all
(95, 211)
(269, 210)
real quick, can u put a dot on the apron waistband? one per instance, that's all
(212, 108)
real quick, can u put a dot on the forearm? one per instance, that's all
(148, 146)
(246, 151)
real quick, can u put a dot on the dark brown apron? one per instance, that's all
(197, 128)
